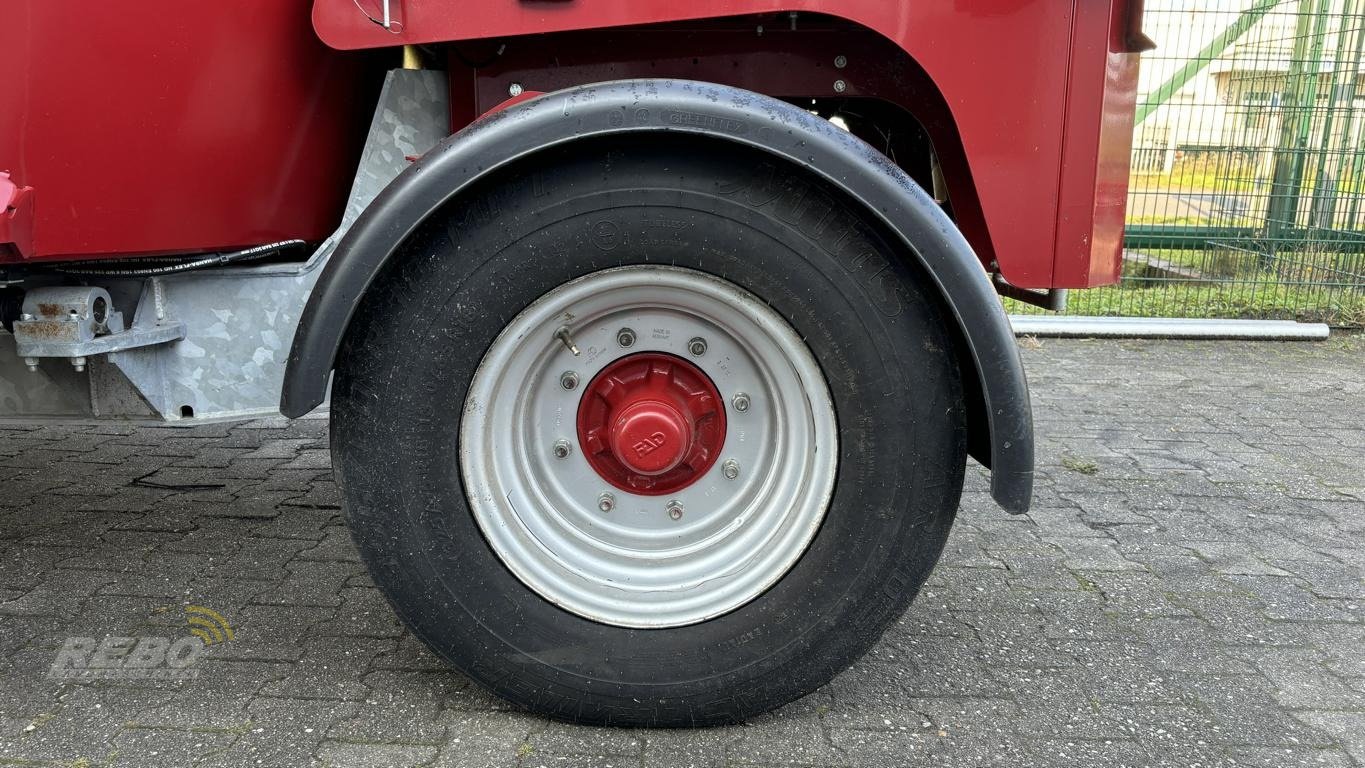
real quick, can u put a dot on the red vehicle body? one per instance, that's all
(656, 337)
(258, 107)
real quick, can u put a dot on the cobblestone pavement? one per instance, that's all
(1188, 591)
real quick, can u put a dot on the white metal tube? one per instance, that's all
(1165, 328)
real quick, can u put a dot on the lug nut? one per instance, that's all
(730, 469)
(740, 402)
(675, 509)
(568, 380)
(697, 346)
(562, 449)
(625, 337)
(606, 502)
(515, 89)
(840, 86)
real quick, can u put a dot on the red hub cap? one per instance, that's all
(651, 423)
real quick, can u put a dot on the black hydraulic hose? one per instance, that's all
(217, 259)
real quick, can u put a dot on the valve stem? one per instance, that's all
(566, 337)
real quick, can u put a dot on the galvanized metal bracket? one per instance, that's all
(78, 322)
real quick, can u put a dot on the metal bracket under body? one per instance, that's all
(1053, 299)
(79, 322)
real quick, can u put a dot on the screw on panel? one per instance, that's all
(515, 89)
(32, 363)
(840, 62)
(562, 449)
(840, 86)
(625, 337)
(740, 402)
(697, 346)
(606, 502)
(730, 469)
(675, 509)
(568, 380)
(78, 363)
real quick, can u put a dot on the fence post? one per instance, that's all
(1337, 121)
(1301, 91)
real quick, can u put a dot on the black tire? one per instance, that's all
(877, 333)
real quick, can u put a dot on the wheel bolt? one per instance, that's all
(697, 346)
(730, 469)
(568, 380)
(562, 449)
(675, 509)
(740, 402)
(625, 337)
(606, 502)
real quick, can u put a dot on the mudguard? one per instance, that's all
(720, 112)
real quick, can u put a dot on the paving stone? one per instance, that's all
(1347, 727)
(283, 732)
(401, 707)
(169, 747)
(343, 755)
(487, 739)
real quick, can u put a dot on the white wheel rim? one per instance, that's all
(637, 566)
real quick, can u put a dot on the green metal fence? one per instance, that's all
(1248, 184)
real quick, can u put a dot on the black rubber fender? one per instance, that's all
(720, 112)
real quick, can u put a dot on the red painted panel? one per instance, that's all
(1001, 65)
(165, 126)
(1093, 194)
